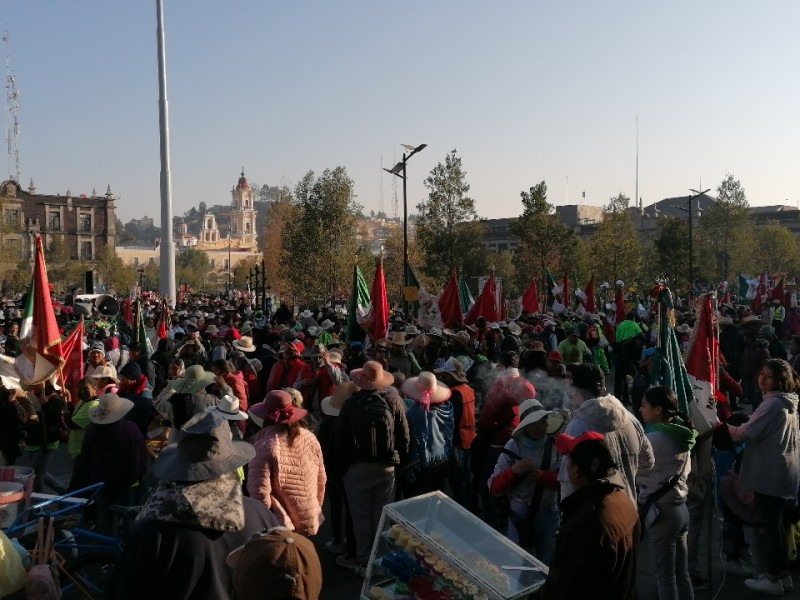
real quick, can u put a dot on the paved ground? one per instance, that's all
(341, 584)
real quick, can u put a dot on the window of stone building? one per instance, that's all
(12, 218)
(225, 264)
(85, 223)
(213, 263)
(54, 221)
(13, 245)
(86, 250)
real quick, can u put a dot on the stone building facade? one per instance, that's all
(86, 224)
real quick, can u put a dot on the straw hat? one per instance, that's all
(328, 408)
(204, 450)
(245, 344)
(228, 407)
(371, 376)
(111, 408)
(426, 389)
(555, 421)
(462, 338)
(212, 329)
(453, 368)
(398, 338)
(335, 356)
(514, 329)
(105, 371)
(326, 324)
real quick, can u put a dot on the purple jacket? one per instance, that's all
(114, 454)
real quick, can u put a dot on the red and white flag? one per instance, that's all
(43, 356)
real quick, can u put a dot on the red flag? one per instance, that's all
(619, 300)
(701, 357)
(591, 306)
(379, 314)
(778, 292)
(127, 311)
(163, 316)
(565, 289)
(486, 304)
(43, 356)
(72, 371)
(530, 299)
(450, 303)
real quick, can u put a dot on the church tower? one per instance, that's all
(243, 214)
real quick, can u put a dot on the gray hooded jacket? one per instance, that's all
(771, 462)
(624, 435)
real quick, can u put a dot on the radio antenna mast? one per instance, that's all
(12, 114)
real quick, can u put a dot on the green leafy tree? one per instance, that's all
(776, 249)
(545, 242)
(725, 233)
(281, 212)
(241, 272)
(194, 269)
(112, 271)
(670, 256)
(319, 245)
(615, 250)
(449, 232)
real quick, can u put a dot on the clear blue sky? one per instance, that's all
(524, 90)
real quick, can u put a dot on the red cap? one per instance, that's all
(565, 444)
(555, 356)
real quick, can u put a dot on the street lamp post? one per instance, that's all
(399, 170)
(690, 210)
(228, 289)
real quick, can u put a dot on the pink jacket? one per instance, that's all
(289, 480)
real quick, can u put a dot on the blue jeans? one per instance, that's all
(545, 529)
(667, 542)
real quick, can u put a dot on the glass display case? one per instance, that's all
(431, 548)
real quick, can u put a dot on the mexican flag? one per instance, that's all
(27, 318)
(359, 303)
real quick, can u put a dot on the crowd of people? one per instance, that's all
(236, 429)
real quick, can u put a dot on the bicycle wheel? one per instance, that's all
(91, 572)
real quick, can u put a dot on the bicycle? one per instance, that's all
(87, 557)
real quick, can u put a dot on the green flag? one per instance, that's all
(139, 333)
(358, 299)
(27, 318)
(669, 369)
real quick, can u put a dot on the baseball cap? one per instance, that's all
(555, 356)
(276, 563)
(565, 443)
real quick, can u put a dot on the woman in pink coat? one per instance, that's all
(287, 474)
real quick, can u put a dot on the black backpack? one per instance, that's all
(372, 428)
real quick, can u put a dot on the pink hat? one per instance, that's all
(277, 407)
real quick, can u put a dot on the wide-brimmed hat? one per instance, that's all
(246, 327)
(514, 329)
(104, 371)
(329, 409)
(462, 338)
(371, 376)
(277, 407)
(555, 421)
(111, 408)
(204, 450)
(212, 329)
(228, 407)
(412, 330)
(683, 328)
(195, 378)
(398, 338)
(306, 314)
(295, 347)
(453, 368)
(425, 388)
(317, 351)
(279, 563)
(537, 346)
(98, 347)
(327, 324)
(245, 344)
(335, 356)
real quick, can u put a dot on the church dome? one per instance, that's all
(242, 184)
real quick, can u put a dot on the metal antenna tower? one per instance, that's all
(12, 114)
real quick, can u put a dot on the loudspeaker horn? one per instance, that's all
(106, 305)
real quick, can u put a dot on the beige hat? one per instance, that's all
(371, 376)
(228, 407)
(426, 389)
(194, 379)
(398, 338)
(245, 344)
(110, 409)
(328, 408)
(104, 371)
